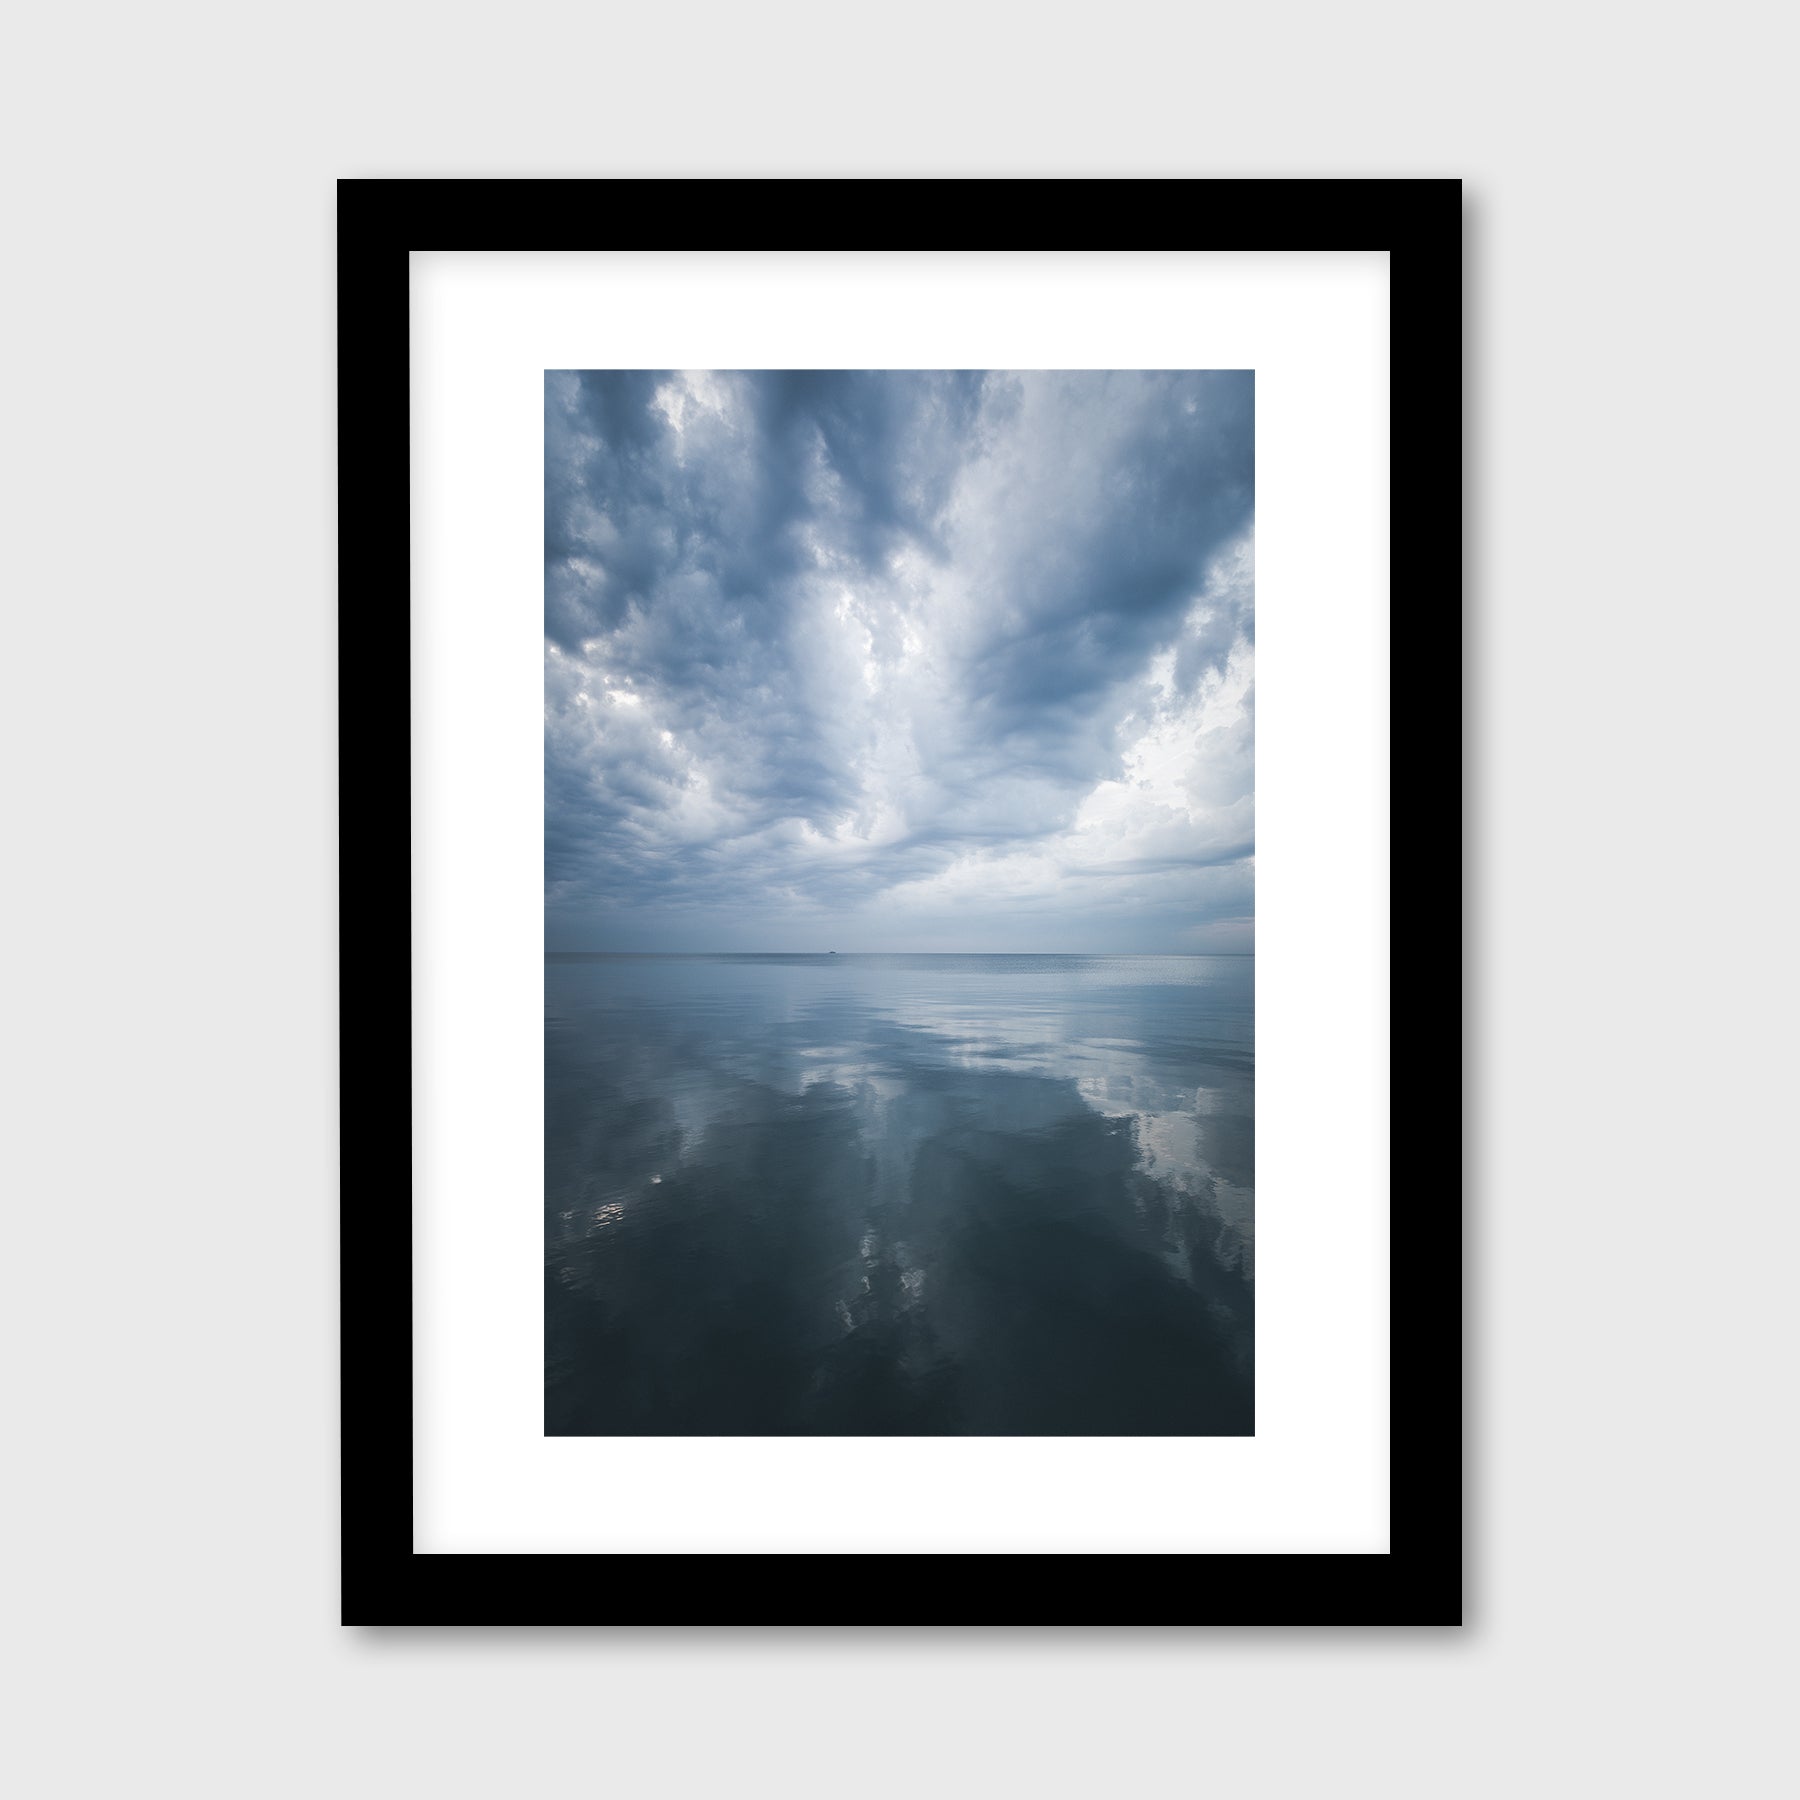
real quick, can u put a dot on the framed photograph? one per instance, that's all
(898, 851)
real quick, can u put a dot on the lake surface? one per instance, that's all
(913, 1194)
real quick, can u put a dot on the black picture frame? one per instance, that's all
(1418, 1581)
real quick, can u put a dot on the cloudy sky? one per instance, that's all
(907, 661)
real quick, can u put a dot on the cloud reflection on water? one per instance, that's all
(913, 1194)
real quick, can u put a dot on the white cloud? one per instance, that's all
(910, 654)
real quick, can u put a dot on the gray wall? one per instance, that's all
(169, 1015)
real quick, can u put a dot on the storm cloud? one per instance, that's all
(899, 661)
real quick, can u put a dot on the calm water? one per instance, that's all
(877, 1194)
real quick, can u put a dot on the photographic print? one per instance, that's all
(899, 844)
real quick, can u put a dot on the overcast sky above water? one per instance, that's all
(899, 661)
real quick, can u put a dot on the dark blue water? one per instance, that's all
(878, 1194)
